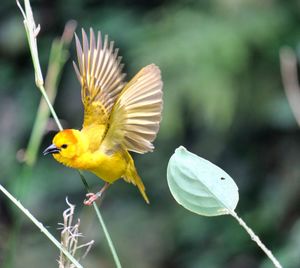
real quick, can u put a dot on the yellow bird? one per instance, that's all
(118, 116)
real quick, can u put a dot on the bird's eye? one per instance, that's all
(64, 146)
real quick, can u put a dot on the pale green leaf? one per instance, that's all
(199, 185)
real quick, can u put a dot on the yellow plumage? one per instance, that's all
(118, 116)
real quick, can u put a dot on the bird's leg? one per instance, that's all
(93, 197)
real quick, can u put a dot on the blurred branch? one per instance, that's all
(288, 64)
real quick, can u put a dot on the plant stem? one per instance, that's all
(42, 89)
(41, 227)
(109, 241)
(256, 239)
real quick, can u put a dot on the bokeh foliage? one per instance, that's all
(223, 100)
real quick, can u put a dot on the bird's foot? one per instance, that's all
(93, 197)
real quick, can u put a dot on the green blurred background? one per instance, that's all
(223, 100)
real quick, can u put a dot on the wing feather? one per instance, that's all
(135, 117)
(99, 72)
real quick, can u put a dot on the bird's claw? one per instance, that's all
(91, 198)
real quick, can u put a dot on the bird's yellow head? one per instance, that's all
(67, 145)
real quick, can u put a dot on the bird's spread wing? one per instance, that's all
(136, 115)
(100, 73)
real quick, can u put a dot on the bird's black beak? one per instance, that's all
(52, 149)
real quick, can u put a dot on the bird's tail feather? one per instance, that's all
(133, 177)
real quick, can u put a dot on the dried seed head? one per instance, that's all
(70, 238)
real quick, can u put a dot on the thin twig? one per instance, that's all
(256, 239)
(288, 64)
